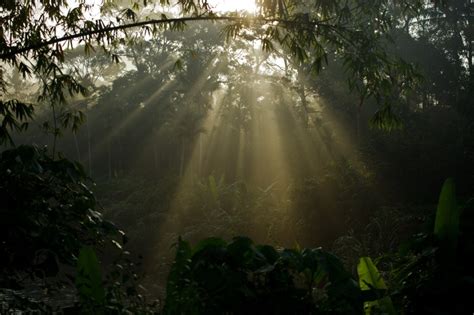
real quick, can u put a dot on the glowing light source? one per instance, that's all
(234, 5)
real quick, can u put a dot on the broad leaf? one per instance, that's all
(89, 278)
(447, 216)
(370, 279)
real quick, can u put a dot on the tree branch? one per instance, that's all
(21, 50)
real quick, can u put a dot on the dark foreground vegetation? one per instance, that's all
(430, 271)
(295, 157)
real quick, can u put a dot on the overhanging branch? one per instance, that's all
(20, 50)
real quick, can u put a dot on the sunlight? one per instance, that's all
(232, 157)
(254, 157)
(233, 5)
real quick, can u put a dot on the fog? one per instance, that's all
(200, 132)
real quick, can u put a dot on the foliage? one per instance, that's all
(47, 211)
(386, 230)
(430, 274)
(118, 293)
(446, 226)
(370, 279)
(14, 115)
(89, 279)
(164, 93)
(426, 272)
(304, 32)
(238, 277)
(48, 224)
(216, 276)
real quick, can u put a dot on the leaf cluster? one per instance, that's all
(239, 277)
(47, 213)
(355, 30)
(433, 269)
(118, 293)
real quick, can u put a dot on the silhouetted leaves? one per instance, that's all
(238, 277)
(46, 206)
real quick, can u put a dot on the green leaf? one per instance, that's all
(447, 216)
(212, 242)
(89, 278)
(269, 253)
(178, 65)
(369, 276)
(183, 254)
(241, 250)
(370, 279)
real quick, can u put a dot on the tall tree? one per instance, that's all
(34, 35)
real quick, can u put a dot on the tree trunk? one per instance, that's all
(77, 147)
(181, 163)
(304, 103)
(109, 149)
(358, 118)
(89, 151)
(358, 125)
(155, 156)
(200, 155)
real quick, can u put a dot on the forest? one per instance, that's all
(236, 157)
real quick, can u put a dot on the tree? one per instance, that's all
(35, 34)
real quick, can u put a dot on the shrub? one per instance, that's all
(239, 277)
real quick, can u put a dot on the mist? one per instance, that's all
(211, 129)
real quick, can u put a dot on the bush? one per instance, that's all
(47, 213)
(239, 277)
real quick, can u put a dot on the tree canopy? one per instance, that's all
(35, 35)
